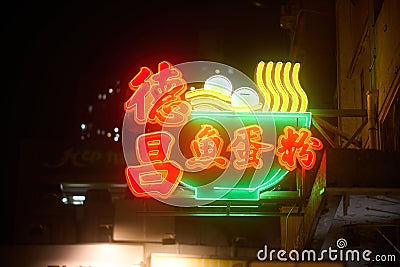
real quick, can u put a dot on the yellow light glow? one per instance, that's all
(299, 89)
(210, 101)
(206, 92)
(261, 86)
(289, 87)
(270, 85)
(256, 107)
(206, 107)
(279, 84)
(280, 88)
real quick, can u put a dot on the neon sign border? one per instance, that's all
(279, 174)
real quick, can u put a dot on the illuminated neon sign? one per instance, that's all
(222, 137)
(158, 95)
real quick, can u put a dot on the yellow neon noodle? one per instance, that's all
(286, 81)
(261, 86)
(256, 107)
(281, 90)
(271, 87)
(215, 102)
(206, 107)
(297, 86)
(204, 92)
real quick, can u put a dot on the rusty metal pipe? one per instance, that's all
(372, 119)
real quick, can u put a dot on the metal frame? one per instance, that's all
(321, 124)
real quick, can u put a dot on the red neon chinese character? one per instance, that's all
(206, 148)
(156, 175)
(158, 97)
(298, 145)
(169, 108)
(139, 101)
(247, 147)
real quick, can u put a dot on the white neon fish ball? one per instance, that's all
(245, 97)
(220, 84)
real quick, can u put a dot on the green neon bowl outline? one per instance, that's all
(259, 189)
(271, 181)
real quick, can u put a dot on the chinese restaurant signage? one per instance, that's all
(207, 127)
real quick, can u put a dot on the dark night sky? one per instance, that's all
(62, 53)
(59, 55)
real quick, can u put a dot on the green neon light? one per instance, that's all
(231, 120)
(235, 188)
(322, 191)
(269, 185)
(188, 186)
(240, 193)
(258, 187)
(306, 116)
(232, 195)
(301, 120)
